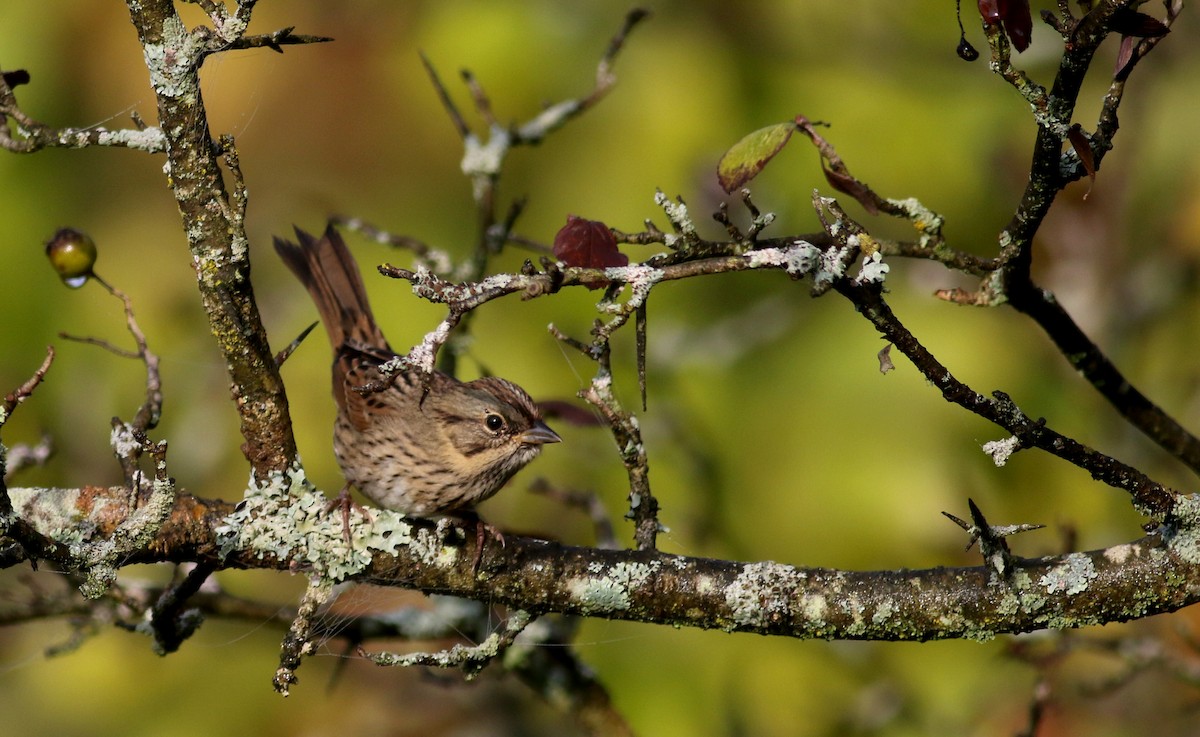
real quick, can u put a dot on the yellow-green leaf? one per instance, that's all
(746, 158)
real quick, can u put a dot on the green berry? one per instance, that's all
(72, 253)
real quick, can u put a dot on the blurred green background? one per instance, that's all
(771, 433)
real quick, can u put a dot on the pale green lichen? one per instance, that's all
(481, 160)
(873, 270)
(150, 140)
(1002, 450)
(979, 634)
(599, 595)
(610, 592)
(548, 120)
(854, 607)
(927, 222)
(884, 611)
(1182, 535)
(813, 608)
(797, 260)
(641, 279)
(123, 441)
(286, 518)
(172, 63)
(1118, 554)
(100, 559)
(55, 513)
(65, 516)
(1072, 576)
(832, 266)
(1008, 605)
(762, 593)
(677, 213)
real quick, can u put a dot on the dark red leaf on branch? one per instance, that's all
(16, 77)
(1083, 148)
(1124, 56)
(1018, 23)
(570, 413)
(1132, 23)
(587, 244)
(992, 10)
(836, 172)
(1015, 17)
(844, 182)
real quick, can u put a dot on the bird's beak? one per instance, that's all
(539, 434)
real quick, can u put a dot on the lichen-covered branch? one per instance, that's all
(32, 135)
(1048, 174)
(1158, 573)
(214, 227)
(1051, 170)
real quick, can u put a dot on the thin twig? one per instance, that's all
(25, 390)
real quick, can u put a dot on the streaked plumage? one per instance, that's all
(444, 454)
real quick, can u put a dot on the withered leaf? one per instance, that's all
(569, 412)
(1083, 148)
(1018, 23)
(1124, 57)
(991, 10)
(587, 244)
(1015, 17)
(836, 171)
(16, 77)
(749, 156)
(885, 359)
(844, 182)
(1129, 22)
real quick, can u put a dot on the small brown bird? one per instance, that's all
(438, 454)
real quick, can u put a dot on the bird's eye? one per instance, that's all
(495, 423)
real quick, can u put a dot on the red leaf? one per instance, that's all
(836, 173)
(1124, 57)
(569, 412)
(1132, 23)
(992, 10)
(1015, 17)
(16, 77)
(587, 244)
(1018, 23)
(843, 182)
(1083, 148)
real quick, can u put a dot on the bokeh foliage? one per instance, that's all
(771, 432)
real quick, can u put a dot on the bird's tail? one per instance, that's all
(328, 271)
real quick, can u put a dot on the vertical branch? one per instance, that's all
(626, 431)
(1053, 115)
(215, 232)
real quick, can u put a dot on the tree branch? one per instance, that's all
(216, 234)
(1157, 573)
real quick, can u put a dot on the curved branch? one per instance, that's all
(1149, 496)
(1157, 573)
(1087, 358)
